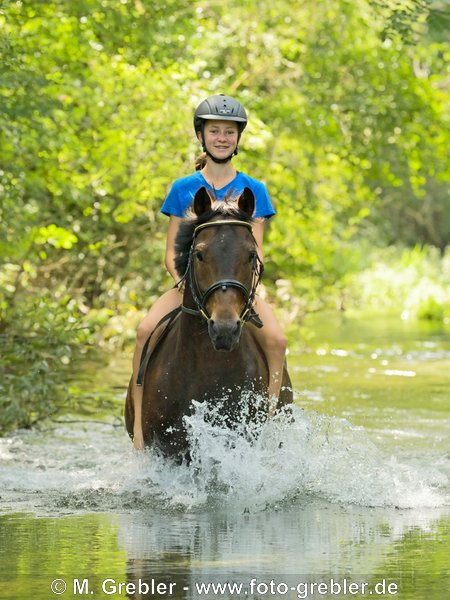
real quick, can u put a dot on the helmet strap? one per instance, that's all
(219, 160)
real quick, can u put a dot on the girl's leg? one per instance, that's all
(167, 302)
(273, 342)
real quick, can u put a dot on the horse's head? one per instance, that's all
(222, 267)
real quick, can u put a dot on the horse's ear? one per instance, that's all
(202, 201)
(246, 201)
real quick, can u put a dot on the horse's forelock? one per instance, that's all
(227, 207)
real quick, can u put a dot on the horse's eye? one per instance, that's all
(199, 256)
(252, 257)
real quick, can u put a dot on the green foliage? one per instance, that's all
(348, 128)
(46, 338)
(414, 282)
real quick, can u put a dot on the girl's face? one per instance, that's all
(220, 137)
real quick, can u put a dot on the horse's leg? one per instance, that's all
(167, 302)
(273, 343)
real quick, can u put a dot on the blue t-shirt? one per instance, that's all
(183, 190)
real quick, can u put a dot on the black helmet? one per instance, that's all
(220, 108)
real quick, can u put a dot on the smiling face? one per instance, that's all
(220, 137)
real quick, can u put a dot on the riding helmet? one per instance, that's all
(220, 108)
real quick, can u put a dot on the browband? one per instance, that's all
(222, 222)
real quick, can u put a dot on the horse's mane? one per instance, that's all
(226, 208)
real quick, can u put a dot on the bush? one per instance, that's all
(413, 281)
(37, 347)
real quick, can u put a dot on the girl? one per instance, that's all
(218, 122)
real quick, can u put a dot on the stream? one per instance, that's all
(352, 491)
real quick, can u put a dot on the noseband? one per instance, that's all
(201, 299)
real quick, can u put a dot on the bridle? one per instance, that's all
(201, 299)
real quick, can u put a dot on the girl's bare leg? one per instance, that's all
(273, 342)
(167, 302)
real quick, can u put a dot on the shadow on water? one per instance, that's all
(356, 486)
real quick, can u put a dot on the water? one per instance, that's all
(354, 489)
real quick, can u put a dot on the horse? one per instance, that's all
(208, 353)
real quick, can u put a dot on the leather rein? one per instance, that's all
(201, 299)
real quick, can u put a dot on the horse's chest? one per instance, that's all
(188, 367)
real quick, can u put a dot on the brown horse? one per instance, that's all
(209, 353)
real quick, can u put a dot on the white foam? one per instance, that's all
(304, 454)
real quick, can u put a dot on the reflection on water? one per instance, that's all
(357, 485)
(307, 541)
(311, 541)
(306, 538)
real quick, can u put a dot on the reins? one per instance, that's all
(247, 314)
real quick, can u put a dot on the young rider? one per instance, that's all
(218, 122)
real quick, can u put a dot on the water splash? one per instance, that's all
(296, 456)
(304, 453)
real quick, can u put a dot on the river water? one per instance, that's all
(354, 491)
